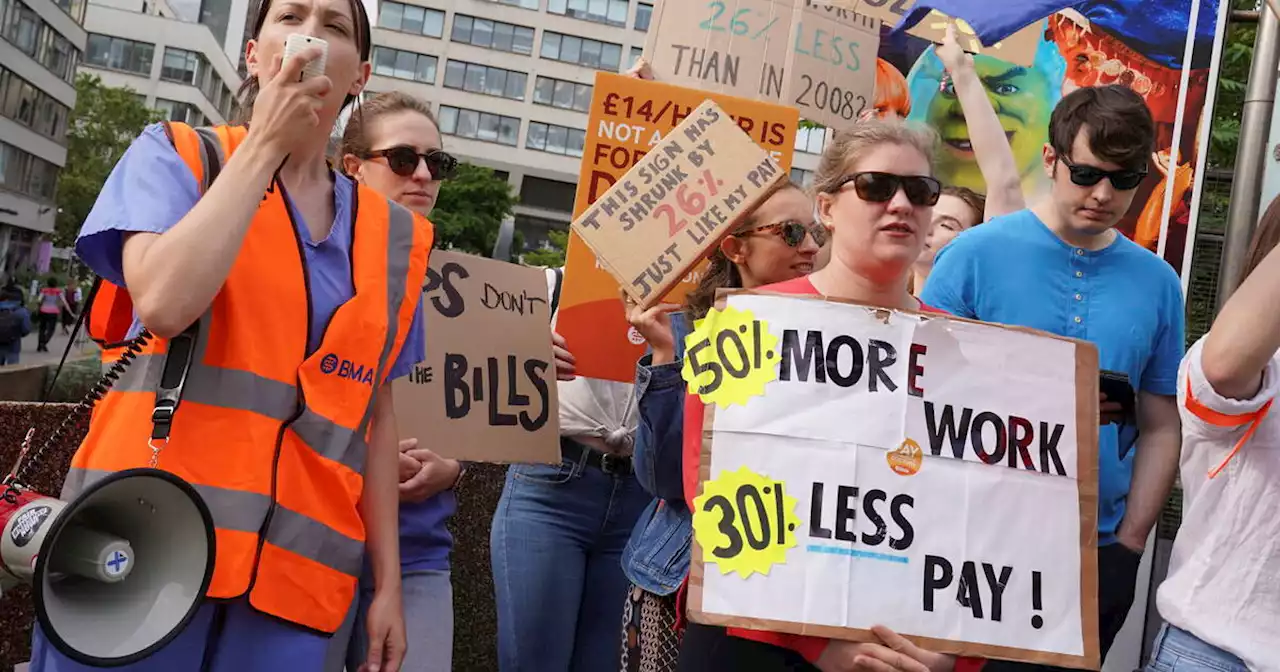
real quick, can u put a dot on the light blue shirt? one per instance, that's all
(151, 189)
(1126, 300)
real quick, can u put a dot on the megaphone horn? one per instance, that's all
(117, 573)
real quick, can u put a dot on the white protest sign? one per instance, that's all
(865, 466)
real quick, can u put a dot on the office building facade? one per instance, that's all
(40, 44)
(511, 81)
(175, 66)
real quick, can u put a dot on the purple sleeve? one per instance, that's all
(414, 349)
(149, 190)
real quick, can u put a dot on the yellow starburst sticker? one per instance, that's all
(744, 522)
(729, 357)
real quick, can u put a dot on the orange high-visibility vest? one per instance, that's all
(272, 438)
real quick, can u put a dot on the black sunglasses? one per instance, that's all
(1087, 176)
(404, 160)
(876, 187)
(792, 233)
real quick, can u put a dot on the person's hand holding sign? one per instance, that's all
(895, 653)
(654, 324)
(565, 361)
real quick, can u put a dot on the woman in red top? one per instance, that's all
(875, 192)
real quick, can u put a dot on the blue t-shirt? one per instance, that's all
(151, 189)
(1126, 300)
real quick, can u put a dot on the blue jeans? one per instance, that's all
(556, 547)
(1180, 651)
(428, 622)
(223, 637)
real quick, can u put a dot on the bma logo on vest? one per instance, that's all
(346, 368)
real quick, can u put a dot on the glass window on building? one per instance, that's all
(563, 94)
(479, 125)
(582, 51)
(811, 140)
(644, 14)
(492, 34)
(117, 53)
(611, 12)
(180, 65)
(390, 62)
(555, 139)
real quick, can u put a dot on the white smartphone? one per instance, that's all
(297, 42)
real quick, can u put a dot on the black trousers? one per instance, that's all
(1117, 576)
(48, 323)
(707, 648)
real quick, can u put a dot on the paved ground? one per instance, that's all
(83, 348)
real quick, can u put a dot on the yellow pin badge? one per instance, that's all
(730, 356)
(744, 522)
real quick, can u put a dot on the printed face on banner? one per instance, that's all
(1141, 44)
(628, 118)
(666, 213)
(487, 390)
(868, 469)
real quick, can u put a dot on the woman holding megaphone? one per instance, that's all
(296, 293)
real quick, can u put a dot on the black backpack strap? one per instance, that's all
(555, 293)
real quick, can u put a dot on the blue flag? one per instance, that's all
(992, 21)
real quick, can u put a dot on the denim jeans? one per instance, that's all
(1180, 651)
(556, 547)
(427, 596)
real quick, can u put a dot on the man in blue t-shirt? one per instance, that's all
(1061, 267)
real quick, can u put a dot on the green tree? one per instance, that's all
(549, 257)
(1237, 56)
(105, 120)
(470, 210)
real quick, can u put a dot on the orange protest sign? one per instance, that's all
(629, 117)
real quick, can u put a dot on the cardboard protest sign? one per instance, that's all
(687, 193)
(815, 57)
(831, 76)
(628, 118)
(862, 466)
(740, 47)
(487, 390)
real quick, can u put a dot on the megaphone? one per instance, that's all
(116, 574)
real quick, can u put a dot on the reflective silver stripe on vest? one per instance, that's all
(331, 440)
(216, 386)
(241, 511)
(316, 541)
(236, 510)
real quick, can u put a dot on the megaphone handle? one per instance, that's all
(11, 485)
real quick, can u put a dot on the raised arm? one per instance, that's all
(172, 277)
(990, 144)
(1246, 334)
(660, 393)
